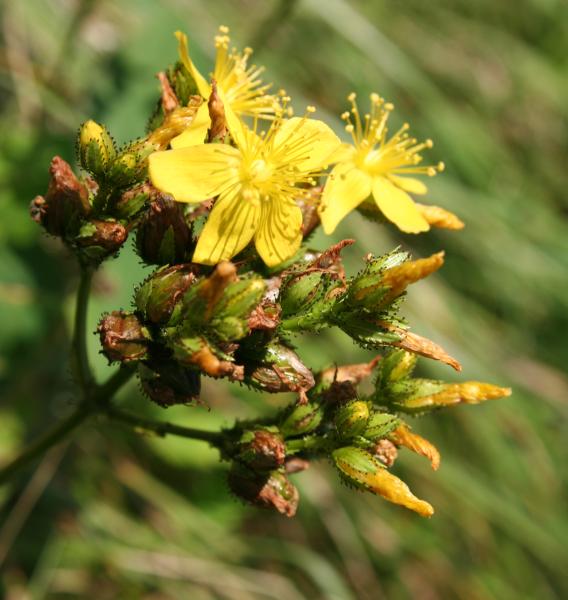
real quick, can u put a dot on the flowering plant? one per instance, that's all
(223, 194)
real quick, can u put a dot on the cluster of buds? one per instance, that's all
(227, 192)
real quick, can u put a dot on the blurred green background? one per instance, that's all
(115, 515)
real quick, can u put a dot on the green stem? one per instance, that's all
(98, 400)
(311, 443)
(162, 428)
(80, 359)
(46, 441)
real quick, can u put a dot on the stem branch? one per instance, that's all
(80, 359)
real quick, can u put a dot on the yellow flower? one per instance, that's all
(239, 86)
(376, 165)
(254, 182)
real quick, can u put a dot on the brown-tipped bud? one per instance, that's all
(168, 97)
(385, 451)
(400, 277)
(439, 217)
(362, 470)
(271, 490)
(280, 369)
(168, 383)
(197, 352)
(123, 337)
(159, 297)
(164, 236)
(65, 203)
(402, 436)
(261, 449)
(218, 130)
(470, 392)
(420, 345)
(98, 239)
(174, 123)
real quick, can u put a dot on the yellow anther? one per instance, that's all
(310, 109)
(441, 166)
(389, 106)
(352, 97)
(428, 143)
(375, 98)
(223, 29)
(349, 128)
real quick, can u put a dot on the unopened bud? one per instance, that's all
(98, 239)
(123, 337)
(440, 217)
(96, 148)
(164, 236)
(302, 419)
(168, 383)
(299, 292)
(130, 166)
(351, 419)
(396, 366)
(271, 490)
(362, 470)
(131, 203)
(279, 369)
(261, 449)
(159, 298)
(65, 203)
(379, 425)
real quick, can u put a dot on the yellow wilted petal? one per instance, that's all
(229, 228)
(469, 392)
(398, 207)
(196, 132)
(202, 84)
(280, 231)
(402, 436)
(440, 217)
(309, 139)
(346, 187)
(385, 484)
(409, 184)
(196, 173)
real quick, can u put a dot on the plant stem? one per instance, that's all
(98, 400)
(46, 441)
(311, 443)
(162, 428)
(80, 359)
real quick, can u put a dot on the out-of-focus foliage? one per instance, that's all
(150, 518)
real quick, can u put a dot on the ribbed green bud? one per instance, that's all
(159, 298)
(131, 203)
(395, 366)
(261, 449)
(96, 149)
(351, 419)
(302, 419)
(367, 289)
(279, 369)
(379, 425)
(130, 166)
(300, 292)
(229, 316)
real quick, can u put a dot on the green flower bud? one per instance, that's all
(131, 203)
(351, 419)
(278, 369)
(261, 449)
(65, 204)
(302, 419)
(396, 366)
(167, 383)
(98, 239)
(123, 337)
(130, 166)
(164, 236)
(159, 298)
(96, 149)
(379, 425)
(271, 490)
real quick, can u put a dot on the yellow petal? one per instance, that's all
(228, 230)
(196, 173)
(343, 153)
(309, 141)
(197, 130)
(398, 207)
(280, 231)
(202, 84)
(346, 187)
(409, 184)
(236, 126)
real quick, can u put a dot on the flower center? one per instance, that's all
(259, 171)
